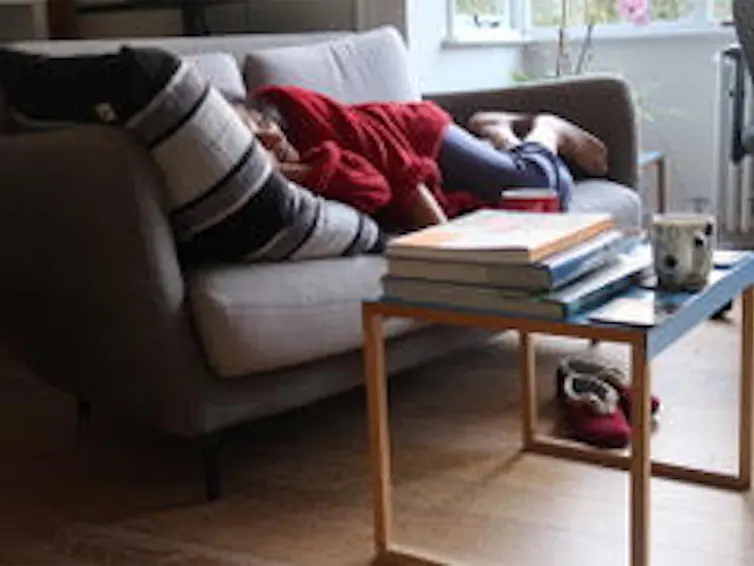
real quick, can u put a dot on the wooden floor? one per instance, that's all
(298, 485)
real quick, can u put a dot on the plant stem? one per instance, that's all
(561, 38)
(586, 47)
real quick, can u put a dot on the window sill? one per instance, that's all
(659, 31)
(485, 38)
(627, 32)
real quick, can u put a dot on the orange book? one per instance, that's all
(500, 236)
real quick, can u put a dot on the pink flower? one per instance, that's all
(636, 11)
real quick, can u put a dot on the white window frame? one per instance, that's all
(518, 30)
(511, 30)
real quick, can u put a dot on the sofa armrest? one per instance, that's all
(602, 105)
(93, 296)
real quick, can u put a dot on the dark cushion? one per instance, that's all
(108, 87)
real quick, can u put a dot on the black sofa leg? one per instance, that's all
(83, 411)
(209, 448)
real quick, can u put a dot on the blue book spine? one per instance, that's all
(573, 264)
(600, 295)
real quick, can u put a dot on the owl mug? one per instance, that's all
(682, 246)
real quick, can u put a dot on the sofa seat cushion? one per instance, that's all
(597, 195)
(262, 317)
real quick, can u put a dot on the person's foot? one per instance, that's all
(576, 144)
(500, 128)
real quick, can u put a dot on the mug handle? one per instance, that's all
(700, 239)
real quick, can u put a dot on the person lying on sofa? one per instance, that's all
(408, 164)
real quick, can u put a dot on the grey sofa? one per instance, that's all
(96, 302)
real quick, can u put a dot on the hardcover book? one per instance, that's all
(548, 274)
(587, 293)
(500, 236)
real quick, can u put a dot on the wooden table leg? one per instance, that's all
(528, 372)
(379, 433)
(747, 384)
(641, 464)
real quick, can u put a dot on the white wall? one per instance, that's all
(675, 78)
(444, 69)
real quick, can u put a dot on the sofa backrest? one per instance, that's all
(349, 66)
(237, 44)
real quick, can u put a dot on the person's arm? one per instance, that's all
(339, 174)
(345, 176)
(426, 211)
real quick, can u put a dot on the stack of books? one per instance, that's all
(547, 265)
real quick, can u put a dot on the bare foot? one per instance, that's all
(516, 120)
(576, 144)
(501, 137)
(500, 128)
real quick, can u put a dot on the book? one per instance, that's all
(586, 293)
(642, 311)
(500, 236)
(547, 274)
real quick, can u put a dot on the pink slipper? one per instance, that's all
(611, 375)
(592, 412)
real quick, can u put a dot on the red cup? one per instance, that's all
(531, 200)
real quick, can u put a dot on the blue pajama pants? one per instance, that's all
(471, 164)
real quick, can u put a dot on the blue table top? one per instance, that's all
(683, 311)
(676, 313)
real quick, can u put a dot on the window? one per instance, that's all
(483, 13)
(522, 15)
(546, 13)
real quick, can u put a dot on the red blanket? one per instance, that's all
(371, 156)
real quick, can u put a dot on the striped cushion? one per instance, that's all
(227, 201)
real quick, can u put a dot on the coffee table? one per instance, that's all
(645, 343)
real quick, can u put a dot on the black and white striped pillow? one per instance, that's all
(227, 201)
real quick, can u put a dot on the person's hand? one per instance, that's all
(426, 210)
(295, 171)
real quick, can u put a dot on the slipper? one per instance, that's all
(592, 413)
(611, 375)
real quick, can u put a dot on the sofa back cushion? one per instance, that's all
(357, 68)
(222, 72)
